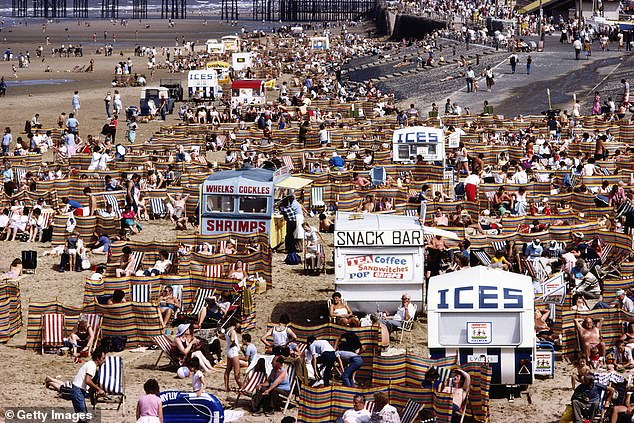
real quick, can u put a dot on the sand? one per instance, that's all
(304, 297)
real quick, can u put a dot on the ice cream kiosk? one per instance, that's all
(486, 315)
(242, 202)
(378, 257)
(248, 91)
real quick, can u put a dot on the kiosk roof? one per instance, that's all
(373, 222)
(249, 174)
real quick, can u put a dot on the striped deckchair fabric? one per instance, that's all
(94, 321)
(213, 270)
(482, 257)
(10, 311)
(166, 346)
(288, 162)
(410, 412)
(250, 384)
(157, 205)
(111, 378)
(201, 296)
(52, 331)
(112, 200)
(141, 293)
(293, 394)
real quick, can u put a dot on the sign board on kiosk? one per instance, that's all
(428, 142)
(484, 315)
(379, 257)
(204, 82)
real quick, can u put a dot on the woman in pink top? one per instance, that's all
(149, 408)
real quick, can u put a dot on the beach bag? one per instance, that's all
(293, 259)
(459, 189)
(114, 343)
(70, 224)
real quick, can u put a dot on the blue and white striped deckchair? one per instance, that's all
(158, 207)
(141, 293)
(111, 379)
(112, 200)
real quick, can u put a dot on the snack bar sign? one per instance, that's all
(379, 267)
(378, 238)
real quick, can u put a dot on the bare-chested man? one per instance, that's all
(459, 389)
(590, 334)
(435, 251)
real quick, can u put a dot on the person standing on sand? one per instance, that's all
(75, 103)
(107, 99)
(529, 62)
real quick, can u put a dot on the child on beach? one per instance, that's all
(149, 408)
(582, 368)
(198, 377)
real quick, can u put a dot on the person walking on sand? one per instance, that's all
(107, 100)
(75, 103)
(470, 78)
(529, 62)
(577, 46)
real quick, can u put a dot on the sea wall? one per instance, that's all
(398, 25)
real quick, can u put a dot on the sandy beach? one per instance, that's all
(303, 297)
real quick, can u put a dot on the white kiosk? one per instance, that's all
(241, 201)
(204, 83)
(242, 61)
(248, 91)
(215, 47)
(378, 257)
(483, 314)
(319, 43)
(407, 143)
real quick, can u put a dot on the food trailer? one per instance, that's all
(222, 69)
(204, 83)
(242, 201)
(215, 47)
(319, 43)
(248, 91)
(407, 143)
(378, 257)
(242, 61)
(482, 314)
(231, 42)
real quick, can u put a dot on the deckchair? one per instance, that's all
(201, 296)
(317, 198)
(378, 176)
(94, 321)
(112, 200)
(288, 162)
(498, 245)
(111, 379)
(411, 212)
(407, 325)
(47, 220)
(52, 331)
(482, 257)
(411, 410)
(328, 304)
(141, 293)
(213, 271)
(250, 384)
(158, 207)
(167, 348)
(369, 405)
(137, 260)
(294, 392)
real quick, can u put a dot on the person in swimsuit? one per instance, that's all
(232, 350)
(590, 335)
(15, 270)
(283, 337)
(341, 312)
(168, 305)
(82, 338)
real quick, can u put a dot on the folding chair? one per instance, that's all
(141, 293)
(167, 348)
(407, 325)
(201, 296)
(369, 405)
(328, 304)
(410, 412)
(322, 258)
(482, 257)
(47, 220)
(18, 174)
(250, 384)
(213, 271)
(112, 200)
(378, 176)
(317, 198)
(498, 245)
(294, 392)
(288, 162)
(137, 260)
(411, 212)
(52, 331)
(94, 321)
(111, 379)
(158, 207)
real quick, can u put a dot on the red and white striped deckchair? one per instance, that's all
(250, 384)
(52, 331)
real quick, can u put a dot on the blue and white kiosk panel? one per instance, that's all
(484, 315)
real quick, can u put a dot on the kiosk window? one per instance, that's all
(505, 327)
(251, 204)
(219, 203)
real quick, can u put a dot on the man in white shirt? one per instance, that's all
(84, 380)
(520, 177)
(404, 312)
(358, 413)
(588, 168)
(321, 352)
